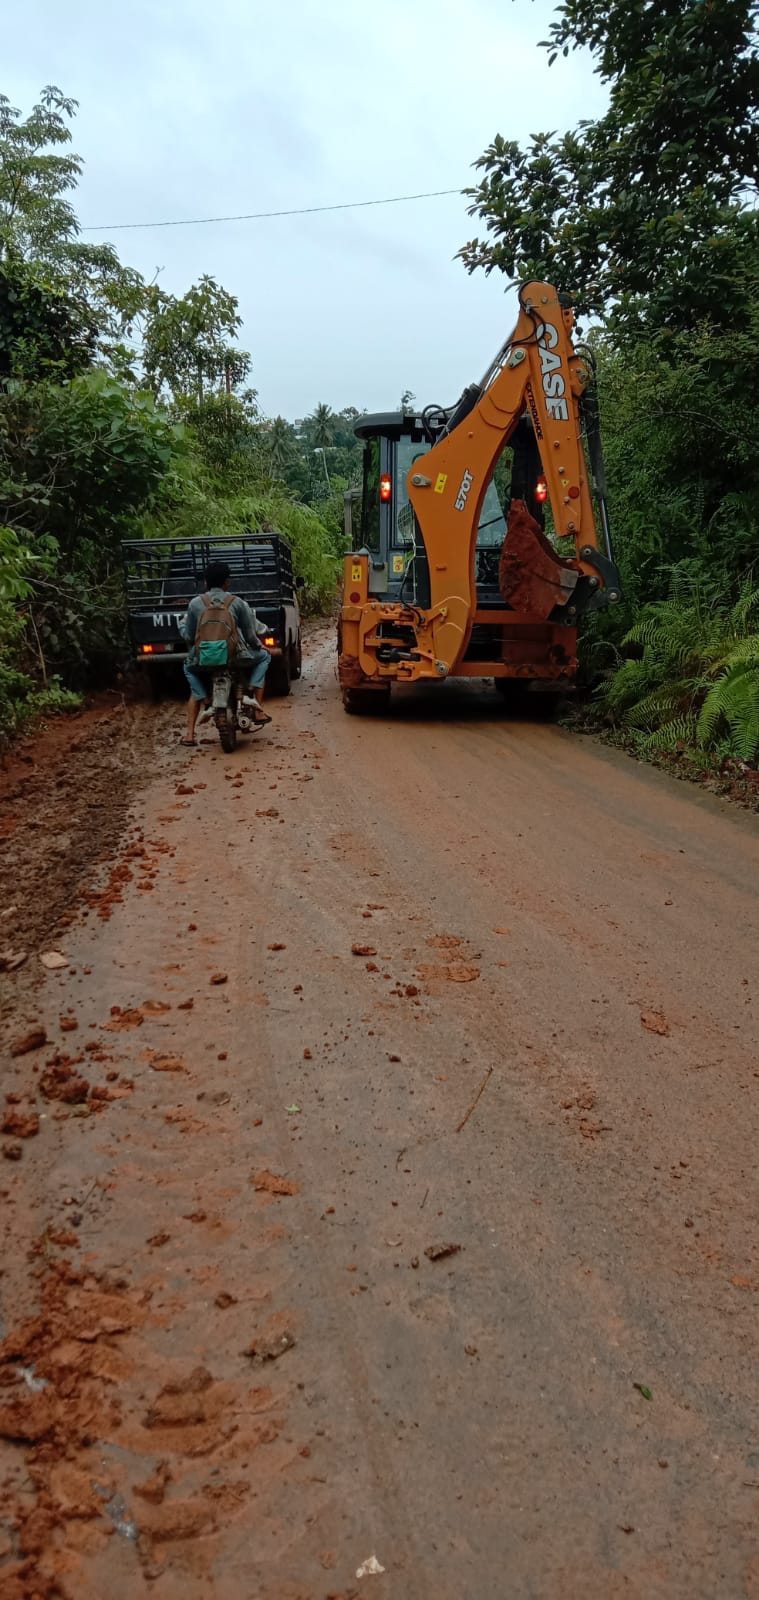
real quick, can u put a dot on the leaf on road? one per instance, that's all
(267, 1182)
(655, 1022)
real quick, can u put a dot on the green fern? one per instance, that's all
(678, 731)
(746, 609)
(732, 703)
(743, 653)
(648, 713)
(694, 677)
(628, 684)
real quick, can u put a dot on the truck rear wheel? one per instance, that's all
(155, 685)
(278, 676)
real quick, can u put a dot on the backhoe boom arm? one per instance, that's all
(539, 370)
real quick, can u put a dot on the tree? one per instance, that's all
(43, 330)
(227, 432)
(645, 213)
(80, 464)
(39, 227)
(281, 443)
(407, 401)
(321, 427)
(187, 346)
(35, 218)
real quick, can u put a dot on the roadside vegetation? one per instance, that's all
(124, 411)
(648, 215)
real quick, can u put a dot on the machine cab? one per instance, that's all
(380, 521)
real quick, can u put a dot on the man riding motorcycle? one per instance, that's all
(250, 654)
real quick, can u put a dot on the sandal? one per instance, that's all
(190, 743)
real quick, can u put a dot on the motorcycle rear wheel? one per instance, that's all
(227, 733)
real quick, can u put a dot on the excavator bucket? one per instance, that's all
(531, 577)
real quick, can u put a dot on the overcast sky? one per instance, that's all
(193, 108)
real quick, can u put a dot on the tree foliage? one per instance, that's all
(37, 173)
(39, 229)
(188, 343)
(693, 679)
(644, 213)
(647, 216)
(44, 330)
(78, 462)
(124, 410)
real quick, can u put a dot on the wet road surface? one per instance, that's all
(363, 990)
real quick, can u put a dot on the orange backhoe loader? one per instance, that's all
(438, 584)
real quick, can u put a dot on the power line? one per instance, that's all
(257, 216)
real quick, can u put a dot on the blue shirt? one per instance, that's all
(249, 628)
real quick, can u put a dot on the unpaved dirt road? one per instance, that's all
(480, 984)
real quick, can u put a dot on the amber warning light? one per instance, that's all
(386, 486)
(541, 490)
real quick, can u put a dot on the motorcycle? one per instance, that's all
(231, 710)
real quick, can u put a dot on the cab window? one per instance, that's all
(408, 451)
(370, 512)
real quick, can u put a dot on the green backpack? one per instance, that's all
(216, 638)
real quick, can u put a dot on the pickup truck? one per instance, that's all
(162, 575)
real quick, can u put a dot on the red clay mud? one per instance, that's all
(240, 1356)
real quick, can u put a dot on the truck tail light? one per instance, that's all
(541, 491)
(386, 486)
(269, 640)
(155, 649)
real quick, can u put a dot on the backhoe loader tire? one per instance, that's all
(365, 702)
(539, 707)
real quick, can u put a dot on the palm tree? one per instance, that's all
(322, 425)
(280, 444)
